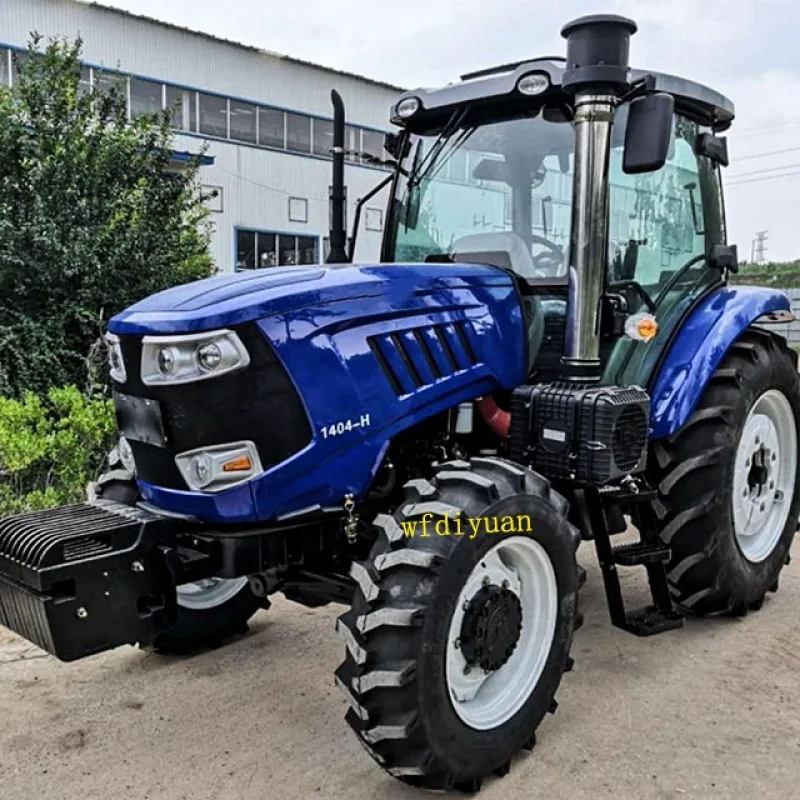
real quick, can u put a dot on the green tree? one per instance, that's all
(93, 216)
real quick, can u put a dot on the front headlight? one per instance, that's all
(218, 467)
(193, 357)
(115, 363)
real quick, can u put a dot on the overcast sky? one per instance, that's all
(747, 49)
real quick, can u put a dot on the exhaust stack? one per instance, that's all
(597, 72)
(338, 195)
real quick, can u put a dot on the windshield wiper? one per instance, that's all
(452, 125)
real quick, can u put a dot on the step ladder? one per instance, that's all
(650, 553)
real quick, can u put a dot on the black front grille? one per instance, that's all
(258, 403)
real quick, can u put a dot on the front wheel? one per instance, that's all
(210, 610)
(728, 481)
(462, 623)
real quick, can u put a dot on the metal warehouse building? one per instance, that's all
(266, 118)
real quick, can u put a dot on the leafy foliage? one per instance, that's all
(51, 447)
(93, 217)
(784, 275)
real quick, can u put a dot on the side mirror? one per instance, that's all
(649, 133)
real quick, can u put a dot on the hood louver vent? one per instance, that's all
(418, 357)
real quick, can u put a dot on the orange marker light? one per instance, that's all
(647, 328)
(240, 464)
(641, 327)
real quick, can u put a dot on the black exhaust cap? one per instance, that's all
(598, 52)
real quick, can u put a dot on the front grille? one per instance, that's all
(258, 403)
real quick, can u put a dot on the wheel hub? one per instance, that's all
(764, 475)
(491, 628)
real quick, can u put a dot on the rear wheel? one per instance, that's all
(456, 644)
(728, 481)
(210, 610)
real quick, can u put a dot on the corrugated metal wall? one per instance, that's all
(255, 184)
(792, 330)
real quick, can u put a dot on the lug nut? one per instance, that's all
(81, 613)
(506, 585)
(467, 669)
(486, 580)
(457, 644)
(137, 566)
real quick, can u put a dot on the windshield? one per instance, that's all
(498, 194)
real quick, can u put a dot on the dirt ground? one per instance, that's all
(712, 711)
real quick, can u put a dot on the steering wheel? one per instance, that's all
(545, 262)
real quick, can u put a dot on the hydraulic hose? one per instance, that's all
(498, 420)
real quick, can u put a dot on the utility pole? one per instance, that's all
(759, 247)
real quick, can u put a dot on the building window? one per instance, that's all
(266, 250)
(213, 115)
(373, 219)
(146, 97)
(84, 81)
(109, 82)
(323, 137)
(180, 104)
(272, 128)
(262, 249)
(243, 122)
(352, 143)
(245, 250)
(372, 145)
(298, 209)
(298, 133)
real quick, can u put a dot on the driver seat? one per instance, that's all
(507, 250)
(504, 249)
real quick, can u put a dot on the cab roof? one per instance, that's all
(499, 86)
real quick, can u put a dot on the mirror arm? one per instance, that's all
(359, 205)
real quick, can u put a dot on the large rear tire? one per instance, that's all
(456, 644)
(209, 611)
(728, 481)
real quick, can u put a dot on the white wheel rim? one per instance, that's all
(764, 477)
(485, 701)
(209, 593)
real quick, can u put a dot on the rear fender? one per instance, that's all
(700, 346)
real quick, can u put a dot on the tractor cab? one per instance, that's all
(487, 174)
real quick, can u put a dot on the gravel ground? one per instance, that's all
(712, 711)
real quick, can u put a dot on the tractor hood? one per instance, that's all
(228, 300)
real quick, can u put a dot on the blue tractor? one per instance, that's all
(548, 352)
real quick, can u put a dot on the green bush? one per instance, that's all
(50, 447)
(94, 215)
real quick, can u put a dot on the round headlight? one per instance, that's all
(167, 362)
(200, 470)
(209, 356)
(533, 84)
(408, 107)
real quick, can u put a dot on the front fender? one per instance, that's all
(699, 347)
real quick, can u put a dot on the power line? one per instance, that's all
(763, 171)
(759, 180)
(762, 128)
(765, 155)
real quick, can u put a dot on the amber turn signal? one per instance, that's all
(240, 464)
